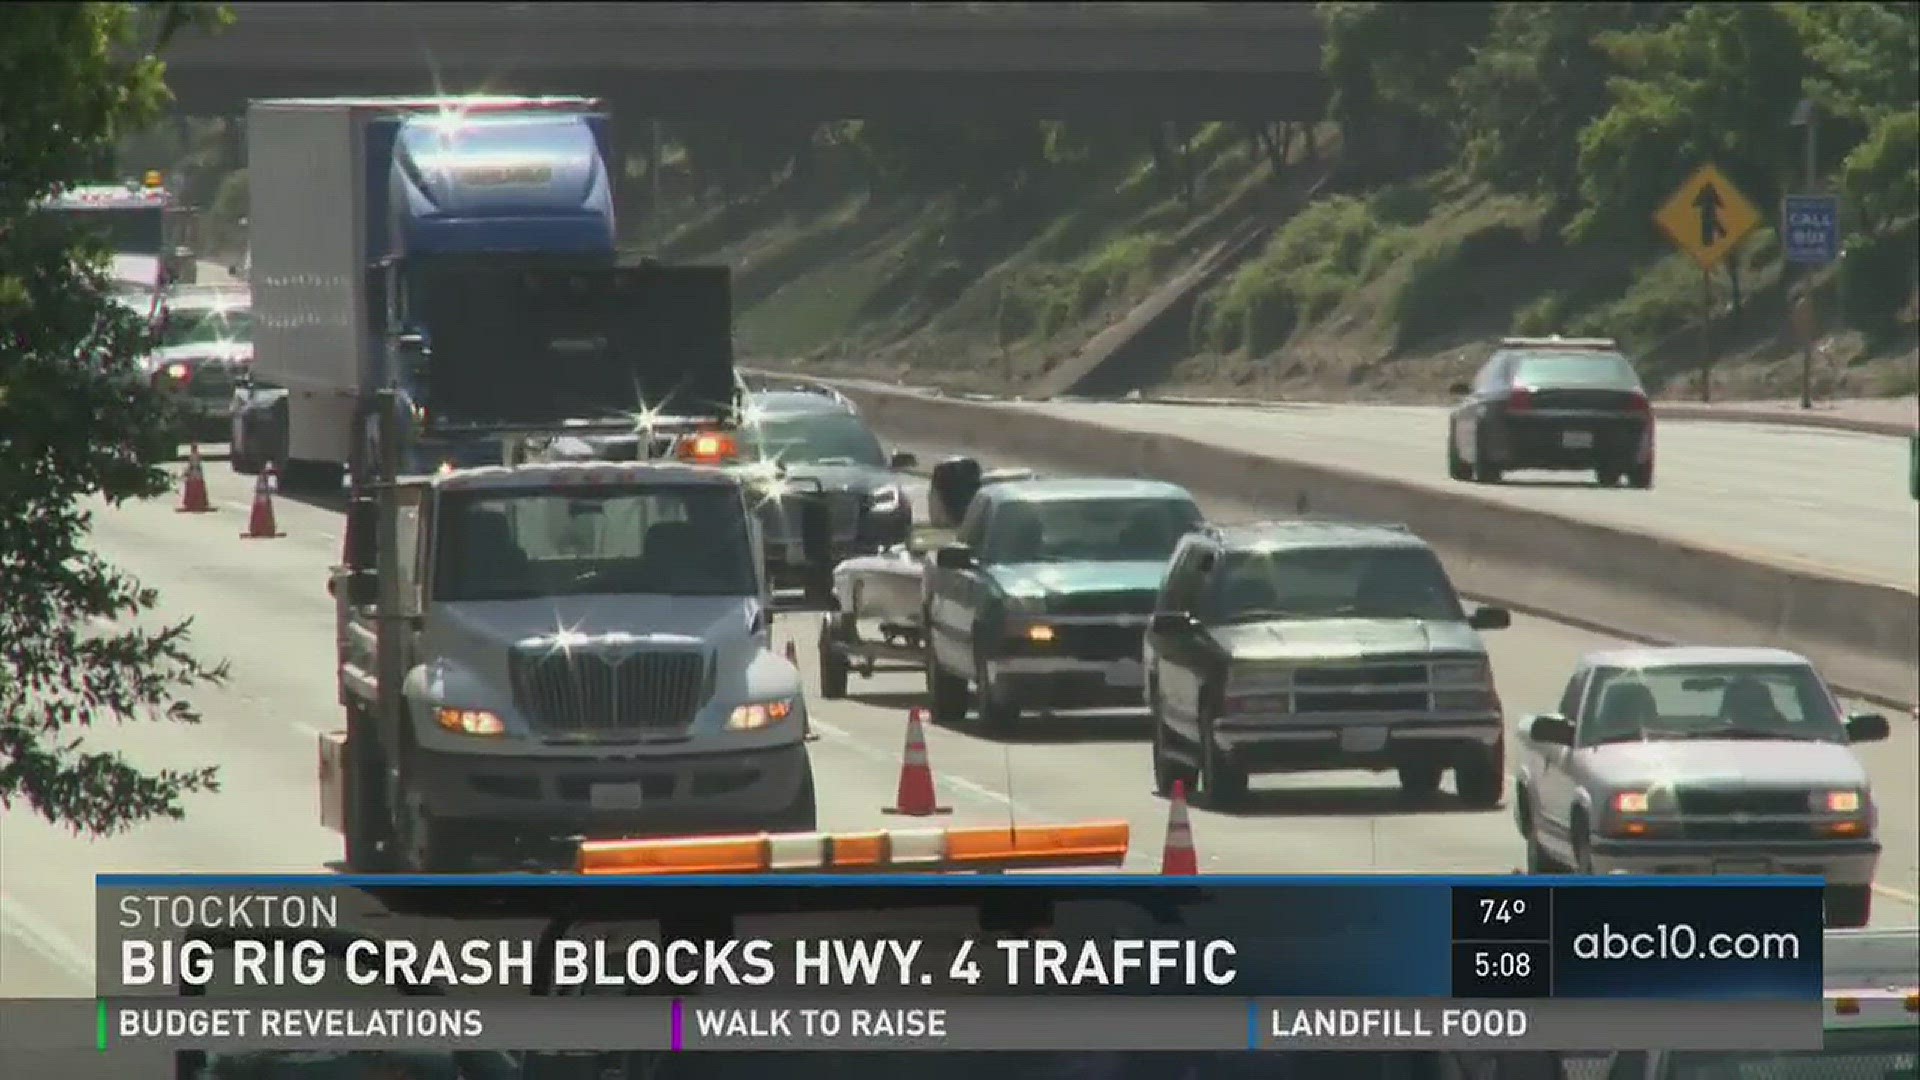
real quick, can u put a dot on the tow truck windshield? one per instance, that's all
(666, 539)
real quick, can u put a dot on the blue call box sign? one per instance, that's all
(1811, 228)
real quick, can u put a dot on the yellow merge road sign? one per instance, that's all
(1707, 217)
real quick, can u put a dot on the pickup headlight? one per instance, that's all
(1838, 802)
(884, 500)
(1462, 673)
(478, 722)
(759, 714)
(1632, 802)
(1258, 689)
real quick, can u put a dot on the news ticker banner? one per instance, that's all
(882, 1023)
(866, 942)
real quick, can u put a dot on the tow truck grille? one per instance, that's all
(588, 692)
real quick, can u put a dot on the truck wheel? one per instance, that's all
(1420, 781)
(424, 841)
(1849, 906)
(996, 717)
(1481, 780)
(1484, 470)
(1538, 861)
(1223, 784)
(1457, 468)
(833, 661)
(368, 822)
(946, 694)
(1166, 769)
(1640, 476)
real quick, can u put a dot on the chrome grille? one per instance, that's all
(1115, 602)
(784, 520)
(1388, 685)
(586, 691)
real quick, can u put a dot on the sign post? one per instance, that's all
(1809, 237)
(1706, 219)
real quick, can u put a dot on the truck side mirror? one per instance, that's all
(1868, 727)
(955, 557)
(1490, 618)
(902, 461)
(361, 543)
(1550, 729)
(1171, 622)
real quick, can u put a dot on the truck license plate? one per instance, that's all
(614, 796)
(1362, 740)
(1126, 673)
(1577, 440)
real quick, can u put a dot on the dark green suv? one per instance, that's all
(1042, 603)
(1298, 646)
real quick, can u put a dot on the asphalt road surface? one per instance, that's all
(263, 605)
(1834, 500)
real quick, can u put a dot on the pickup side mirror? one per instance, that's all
(1171, 622)
(902, 461)
(361, 542)
(1459, 389)
(1868, 727)
(1490, 618)
(363, 588)
(1550, 729)
(955, 557)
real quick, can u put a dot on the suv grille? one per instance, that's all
(1697, 802)
(1388, 685)
(783, 520)
(599, 693)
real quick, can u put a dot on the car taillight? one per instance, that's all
(1639, 403)
(1520, 399)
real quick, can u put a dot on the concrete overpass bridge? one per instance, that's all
(686, 61)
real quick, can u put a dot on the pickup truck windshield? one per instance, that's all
(1093, 529)
(1331, 583)
(1784, 701)
(666, 539)
(810, 438)
(1880, 1054)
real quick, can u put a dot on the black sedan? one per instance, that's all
(1570, 405)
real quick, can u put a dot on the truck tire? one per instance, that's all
(368, 825)
(1420, 781)
(946, 694)
(1166, 769)
(1849, 906)
(1481, 779)
(833, 660)
(996, 717)
(1222, 783)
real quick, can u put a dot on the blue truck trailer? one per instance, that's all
(353, 200)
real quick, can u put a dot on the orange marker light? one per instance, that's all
(709, 447)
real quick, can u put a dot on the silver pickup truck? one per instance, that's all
(1701, 760)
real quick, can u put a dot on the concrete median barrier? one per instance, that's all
(1865, 635)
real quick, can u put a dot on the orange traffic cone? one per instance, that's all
(260, 524)
(193, 493)
(915, 797)
(1179, 857)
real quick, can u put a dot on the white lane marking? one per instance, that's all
(44, 938)
(958, 783)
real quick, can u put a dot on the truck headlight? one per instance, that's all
(759, 714)
(1632, 802)
(469, 721)
(1838, 802)
(884, 500)
(1452, 673)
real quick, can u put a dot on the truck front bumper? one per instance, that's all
(1841, 862)
(1058, 682)
(607, 796)
(1311, 743)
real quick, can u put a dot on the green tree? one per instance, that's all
(1716, 85)
(1391, 66)
(1866, 83)
(77, 422)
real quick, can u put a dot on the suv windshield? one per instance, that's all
(1575, 370)
(1331, 583)
(668, 539)
(814, 438)
(1723, 701)
(1093, 529)
(207, 325)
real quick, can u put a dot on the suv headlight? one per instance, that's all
(884, 500)
(1259, 679)
(759, 714)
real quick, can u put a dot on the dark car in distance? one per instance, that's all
(1561, 404)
